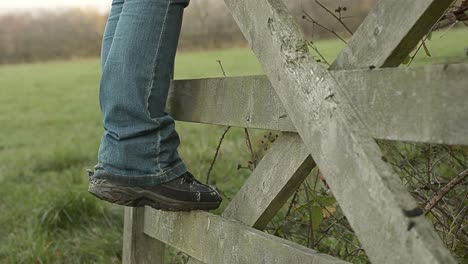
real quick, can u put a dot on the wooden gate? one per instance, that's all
(330, 119)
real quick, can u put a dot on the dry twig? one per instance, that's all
(307, 17)
(340, 19)
(446, 189)
(216, 154)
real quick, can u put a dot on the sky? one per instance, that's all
(17, 5)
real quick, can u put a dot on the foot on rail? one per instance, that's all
(184, 193)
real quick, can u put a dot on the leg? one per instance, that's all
(109, 32)
(138, 160)
(139, 146)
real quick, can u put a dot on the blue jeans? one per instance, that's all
(139, 145)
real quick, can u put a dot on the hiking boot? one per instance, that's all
(184, 193)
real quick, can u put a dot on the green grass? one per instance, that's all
(50, 132)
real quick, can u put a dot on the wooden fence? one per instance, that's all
(330, 119)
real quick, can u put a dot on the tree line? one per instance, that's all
(76, 33)
(49, 35)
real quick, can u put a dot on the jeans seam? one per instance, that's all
(158, 149)
(155, 65)
(158, 46)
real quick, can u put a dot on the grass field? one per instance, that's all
(50, 132)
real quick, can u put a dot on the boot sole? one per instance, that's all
(137, 197)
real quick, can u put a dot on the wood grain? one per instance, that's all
(214, 239)
(369, 192)
(426, 104)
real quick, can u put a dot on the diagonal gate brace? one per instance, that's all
(369, 192)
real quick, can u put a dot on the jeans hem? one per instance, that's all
(143, 180)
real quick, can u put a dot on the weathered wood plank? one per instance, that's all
(426, 104)
(139, 248)
(370, 193)
(247, 101)
(390, 32)
(213, 239)
(420, 105)
(277, 176)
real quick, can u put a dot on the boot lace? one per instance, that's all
(189, 178)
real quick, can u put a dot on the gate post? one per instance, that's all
(139, 248)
